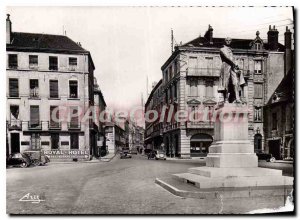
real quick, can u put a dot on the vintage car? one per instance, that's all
(265, 156)
(18, 159)
(125, 154)
(157, 155)
(37, 157)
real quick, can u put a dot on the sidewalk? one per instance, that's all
(284, 161)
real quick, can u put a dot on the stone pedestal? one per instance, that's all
(232, 165)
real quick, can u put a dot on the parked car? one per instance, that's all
(18, 159)
(37, 157)
(125, 154)
(265, 156)
(157, 155)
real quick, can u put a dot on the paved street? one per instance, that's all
(117, 187)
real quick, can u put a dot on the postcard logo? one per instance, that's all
(31, 198)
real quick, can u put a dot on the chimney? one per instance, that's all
(288, 50)
(209, 34)
(273, 38)
(8, 29)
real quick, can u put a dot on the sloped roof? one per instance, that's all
(284, 91)
(219, 42)
(36, 41)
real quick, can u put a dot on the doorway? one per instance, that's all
(15, 142)
(274, 149)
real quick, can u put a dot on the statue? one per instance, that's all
(231, 78)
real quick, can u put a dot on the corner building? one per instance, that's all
(190, 81)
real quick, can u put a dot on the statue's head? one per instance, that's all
(227, 41)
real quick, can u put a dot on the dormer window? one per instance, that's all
(258, 46)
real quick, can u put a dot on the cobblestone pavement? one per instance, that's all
(119, 187)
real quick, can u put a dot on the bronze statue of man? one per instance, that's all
(231, 78)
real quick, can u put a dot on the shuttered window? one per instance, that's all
(34, 116)
(53, 88)
(13, 87)
(258, 90)
(74, 141)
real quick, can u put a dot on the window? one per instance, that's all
(54, 117)
(53, 88)
(175, 90)
(13, 88)
(54, 141)
(257, 46)
(34, 116)
(33, 61)
(258, 90)
(14, 112)
(34, 88)
(257, 142)
(274, 121)
(193, 88)
(13, 61)
(73, 86)
(257, 114)
(72, 63)
(74, 117)
(35, 141)
(209, 89)
(209, 65)
(257, 66)
(74, 141)
(53, 63)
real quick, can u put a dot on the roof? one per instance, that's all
(153, 90)
(219, 42)
(36, 41)
(284, 91)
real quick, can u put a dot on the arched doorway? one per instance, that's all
(200, 144)
(257, 142)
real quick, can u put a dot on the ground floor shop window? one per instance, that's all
(35, 141)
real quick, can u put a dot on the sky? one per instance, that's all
(130, 44)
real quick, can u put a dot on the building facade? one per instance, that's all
(47, 76)
(115, 137)
(190, 82)
(279, 120)
(100, 106)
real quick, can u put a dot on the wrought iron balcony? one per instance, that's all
(209, 72)
(37, 125)
(200, 124)
(15, 124)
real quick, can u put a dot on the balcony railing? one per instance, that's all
(35, 125)
(15, 125)
(200, 124)
(54, 125)
(211, 72)
(74, 126)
